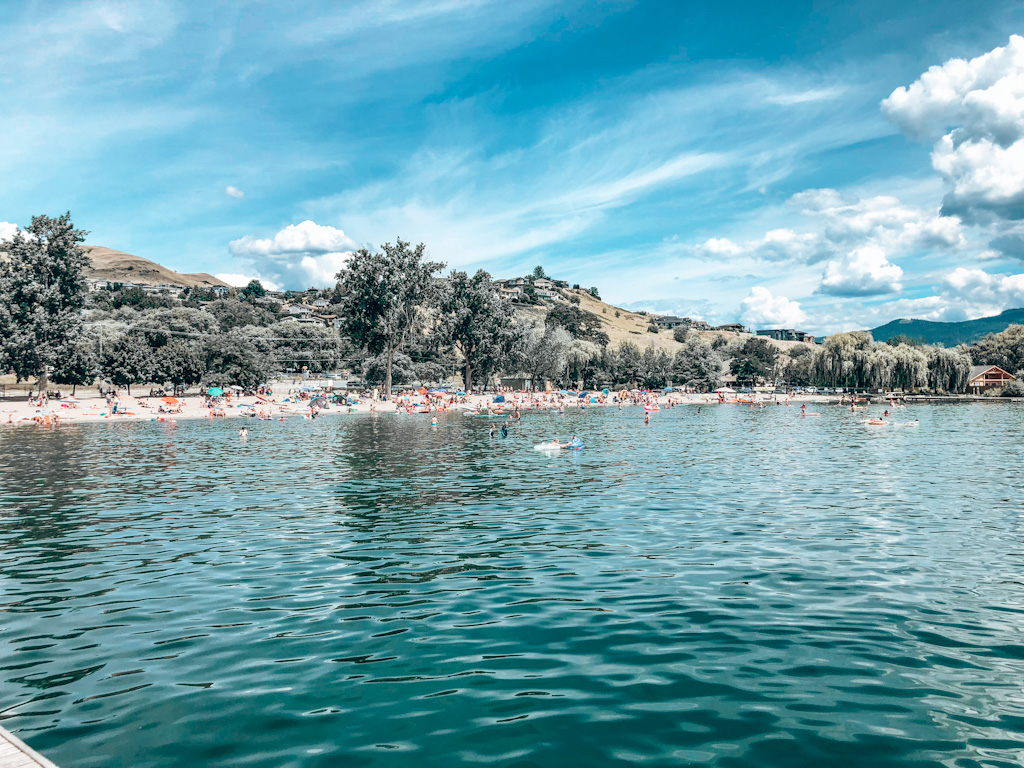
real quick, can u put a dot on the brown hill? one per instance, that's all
(119, 267)
(623, 325)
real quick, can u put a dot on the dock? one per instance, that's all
(15, 753)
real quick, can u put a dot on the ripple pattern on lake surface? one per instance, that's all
(729, 587)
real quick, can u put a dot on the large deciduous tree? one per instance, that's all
(477, 322)
(42, 293)
(380, 295)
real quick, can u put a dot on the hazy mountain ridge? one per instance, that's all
(948, 334)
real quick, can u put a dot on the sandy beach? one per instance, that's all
(289, 401)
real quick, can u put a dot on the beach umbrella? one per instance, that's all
(307, 388)
(582, 395)
(668, 389)
(604, 391)
(726, 390)
(499, 399)
(69, 399)
(319, 402)
(170, 400)
(562, 392)
(215, 391)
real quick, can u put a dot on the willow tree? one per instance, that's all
(845, 361)
(380, 294)
(949, 370)
(42, 293)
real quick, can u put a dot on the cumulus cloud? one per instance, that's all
(841, 223)
(298, 256)
(974, 111)
(240, 281)
(775, 245)
(307, 237)
(988, 293)
(7, 230)
(863, 272)
(234, 192)
(761, 308)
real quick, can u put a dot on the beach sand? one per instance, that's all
(88, 406)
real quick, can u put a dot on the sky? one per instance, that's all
(818, 166)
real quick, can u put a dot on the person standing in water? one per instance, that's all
(504, 429)
(647, 418)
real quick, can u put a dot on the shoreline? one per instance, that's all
(91, 408)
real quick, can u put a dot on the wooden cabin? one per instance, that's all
(988, 377)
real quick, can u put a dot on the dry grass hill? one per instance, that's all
(120, 267)
(623, 325)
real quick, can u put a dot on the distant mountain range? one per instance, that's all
(948, 334)
(119, 267)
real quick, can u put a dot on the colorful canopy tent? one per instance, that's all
(215, 391)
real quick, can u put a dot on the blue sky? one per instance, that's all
(820, 165)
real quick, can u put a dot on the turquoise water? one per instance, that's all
(728, 587)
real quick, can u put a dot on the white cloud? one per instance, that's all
(975, 112)
(863, 272)
(839, 224)
(234, 192)
(987, 293)
(307, 237)
(299, 256)
(7, 230)
(760, 308)
(775, 245)
(240, 280)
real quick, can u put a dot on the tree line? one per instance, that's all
(400, 321)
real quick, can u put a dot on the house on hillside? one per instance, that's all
(988, 377)
(511, 292)
(220, 290)
(543, 284)
(296, 309)
(732, 328)
(548, 295)
(668, 321)
(321, 303)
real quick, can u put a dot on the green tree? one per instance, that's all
(755, 359)
(594, 293)
(1005, 349)
(42, 293)
(798, 365)
(237, 358)
(477, 322)
(381, 292)
(538, 273)
(680, 333)
(949, 370)
(76, 365)
(180, 361)
(630, 363)
(127, 361)
(254, 290)
(697, 365)
(579, 323)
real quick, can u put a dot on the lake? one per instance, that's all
(726, 586)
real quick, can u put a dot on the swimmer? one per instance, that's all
(433, 421)
(490, 432)
(647, 418)
(243, 432)
(504, 429)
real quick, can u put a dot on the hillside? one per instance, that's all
(948, 334)
(623, 325)
(119, 267)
